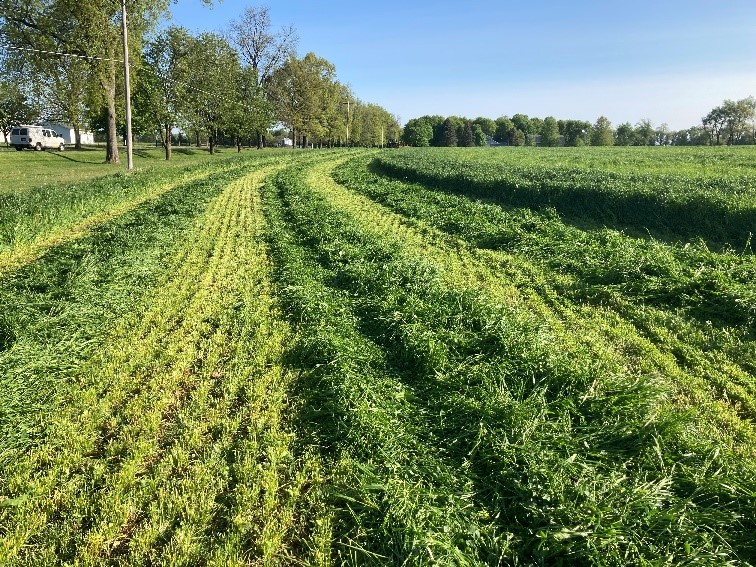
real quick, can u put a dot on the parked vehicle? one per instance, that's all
(35, 137)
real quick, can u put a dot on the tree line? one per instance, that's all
(734, 122)
(62, 63)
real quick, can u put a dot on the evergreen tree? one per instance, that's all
(467, 139)
(449, 134)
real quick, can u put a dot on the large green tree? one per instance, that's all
(602, 133)
(449, 133)
(304, 92)
(625, 135)
(645, 133)
(575, 132)
(418, 132)
(211, 89)
(14, 105)
(550, 132)
(737, 116)
(91, 29)
(161, 93)
(466, 137)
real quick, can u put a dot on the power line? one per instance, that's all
(60, 53)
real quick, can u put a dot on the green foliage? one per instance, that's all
(550, 132)
(14, 105)
(417, 132)
(449, 133)
(479, 136)
(685, 198)
(602, 133)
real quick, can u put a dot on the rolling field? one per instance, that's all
(403, 357)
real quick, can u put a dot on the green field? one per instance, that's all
(507, 356)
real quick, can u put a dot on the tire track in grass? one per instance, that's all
(174, 450)
(516, 282)
(25, 253)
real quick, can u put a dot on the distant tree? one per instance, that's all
(161, 93)
(714, 123)
(479, 135)
(250, 112)
(214, 66)
(504, 129)
(693, 136)
(625, 135)
(449, 135)
(549, 132)
(737, 115)
(522, 123)
(14, 106)
(602, 133)
(377, 126)
(261, 49)
(517, 137)
(575, 132)
(645, 134)
(418, 132)
(437, 123)
(663, 136)
(487, 125)
(533, 130)
(697, 136)
(466, 140)
(304, 92)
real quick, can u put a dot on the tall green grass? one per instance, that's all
(703, 299)
(465, 431)
(672, 203)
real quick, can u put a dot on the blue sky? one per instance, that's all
(669, 61)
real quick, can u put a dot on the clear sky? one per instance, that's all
(669, 61)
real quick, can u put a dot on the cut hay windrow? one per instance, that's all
(350, 357)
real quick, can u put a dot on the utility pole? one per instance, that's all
(129, 151)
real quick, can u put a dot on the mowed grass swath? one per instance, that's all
(420, 357)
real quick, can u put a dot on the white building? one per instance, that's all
(67, 133)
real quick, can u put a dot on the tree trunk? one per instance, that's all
(304, 142)
(109, 86)
(211, 143)
(238, 145)
(77, 137)
(167, 141)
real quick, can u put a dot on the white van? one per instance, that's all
(35, 138)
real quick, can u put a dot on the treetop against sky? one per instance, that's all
(664, 61)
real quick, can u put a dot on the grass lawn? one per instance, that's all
(20, 171)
